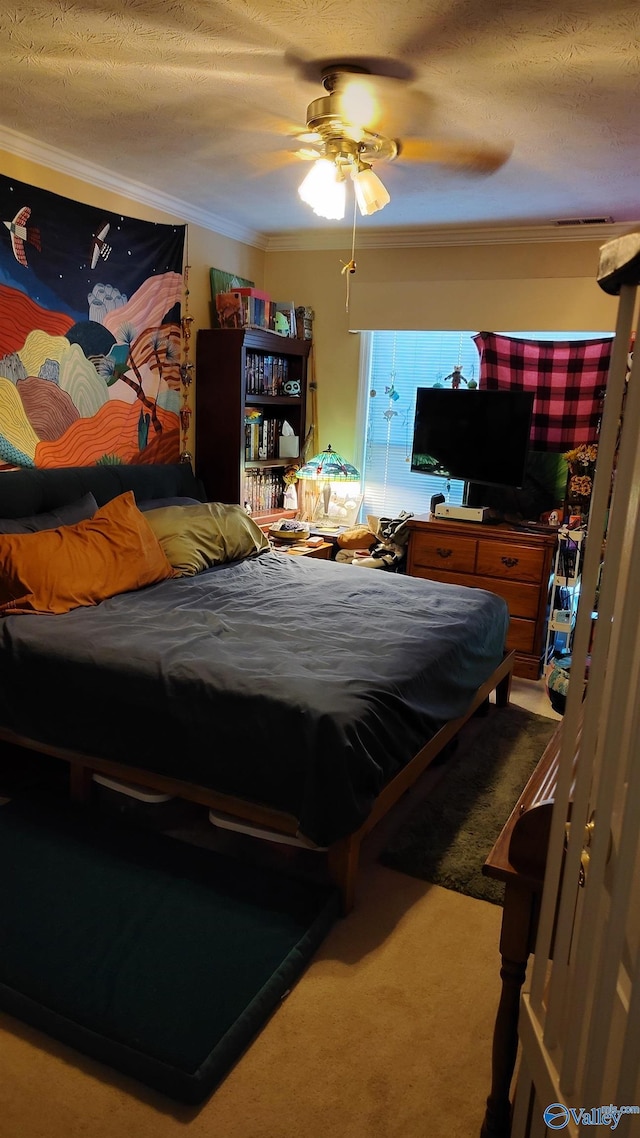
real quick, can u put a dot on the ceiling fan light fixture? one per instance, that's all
(324, 190)
(358, 104)
(371, 194)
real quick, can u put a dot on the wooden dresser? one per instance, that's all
(511, 562)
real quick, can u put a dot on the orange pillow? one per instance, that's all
(61, 569)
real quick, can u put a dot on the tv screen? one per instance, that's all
(473, 435)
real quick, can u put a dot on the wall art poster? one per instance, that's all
(90, 333)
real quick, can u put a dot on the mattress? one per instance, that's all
(300, 684)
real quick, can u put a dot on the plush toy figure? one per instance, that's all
(390, 552)
(354, 543)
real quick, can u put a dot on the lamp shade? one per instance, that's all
(328, 466)
(324, 190)
(371, 194)
(323, 469)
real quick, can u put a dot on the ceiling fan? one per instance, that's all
(352, 127)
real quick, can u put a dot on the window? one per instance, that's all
(392, 366)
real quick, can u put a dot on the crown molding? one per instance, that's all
(54, 159)
(307, 240)
(424, 237)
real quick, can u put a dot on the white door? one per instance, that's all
(580, 1017)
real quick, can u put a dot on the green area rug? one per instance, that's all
(450, 834)
(159, 958)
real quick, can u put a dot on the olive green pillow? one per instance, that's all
(195, 537)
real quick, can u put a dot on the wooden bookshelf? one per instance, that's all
(240, 370)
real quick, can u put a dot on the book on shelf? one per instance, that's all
(252, 428)
(261, 437)
(263, 490)
(237, 310)
(265, 374)
(258, 292)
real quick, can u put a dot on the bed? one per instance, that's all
(297, 696)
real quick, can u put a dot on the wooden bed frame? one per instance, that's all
(35, 490)
(343, 855)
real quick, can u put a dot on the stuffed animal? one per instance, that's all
(390, 552)
(357, 537)
(354, 543)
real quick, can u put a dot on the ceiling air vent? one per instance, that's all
(584, 221)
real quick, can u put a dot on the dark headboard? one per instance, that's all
(34, 490)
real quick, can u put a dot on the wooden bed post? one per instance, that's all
(503, 689)
(343, 869)
(80, 782)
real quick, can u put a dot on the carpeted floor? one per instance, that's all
(450, 833)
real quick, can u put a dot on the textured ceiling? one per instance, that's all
(200, 100)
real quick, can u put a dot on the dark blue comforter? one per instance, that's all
(301, 684)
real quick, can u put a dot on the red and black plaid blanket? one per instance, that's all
(568, 378)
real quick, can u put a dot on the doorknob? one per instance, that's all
(585, 854)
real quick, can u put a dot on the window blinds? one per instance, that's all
(400, 362)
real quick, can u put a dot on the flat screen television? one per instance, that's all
(473, 435)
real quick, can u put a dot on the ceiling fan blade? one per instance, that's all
(467, 157)
(268, 160)
(308, 154)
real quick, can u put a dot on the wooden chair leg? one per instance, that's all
(497, 1119)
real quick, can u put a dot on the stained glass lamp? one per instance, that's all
(325, 468)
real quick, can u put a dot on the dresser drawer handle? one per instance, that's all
(509, 561)
(444, 552)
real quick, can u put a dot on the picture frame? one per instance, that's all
(223, 281)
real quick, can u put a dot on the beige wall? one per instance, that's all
(545, 286)
(315, 280)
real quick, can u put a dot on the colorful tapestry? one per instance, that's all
(568, 378)
(90, 333)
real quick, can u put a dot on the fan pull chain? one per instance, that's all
(350, 267)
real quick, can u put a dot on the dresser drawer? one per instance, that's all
(521, 635)
(447, 578)
(513, 562)
(441, 551)
(522, 599)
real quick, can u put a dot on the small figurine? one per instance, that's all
(456, 377)
(290, 501)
